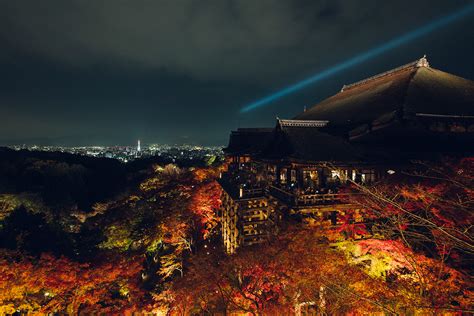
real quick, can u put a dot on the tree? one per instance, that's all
(295, 269)
(424, 220)
(52, 284)
(434, 206)
(205, 204)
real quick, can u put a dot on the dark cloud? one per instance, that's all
(218, 39)
(96, 65)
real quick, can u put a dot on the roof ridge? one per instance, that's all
(401, 110)
(302, 123)
(422, 62)
(253, 129)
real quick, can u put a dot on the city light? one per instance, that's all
(125, 154)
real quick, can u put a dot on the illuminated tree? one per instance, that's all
(432, 209)
(50, 284)
(205, 204)
(425, 221)
(296, 269)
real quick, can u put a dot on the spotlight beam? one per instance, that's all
(358, 59)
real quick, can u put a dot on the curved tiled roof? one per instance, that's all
(309, 144)
(248, 141)
(398, 94)
(412, 111)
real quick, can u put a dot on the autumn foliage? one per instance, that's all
(431, 210)
(298, 270)
(136, 241)
(50, 284)
(156, 249)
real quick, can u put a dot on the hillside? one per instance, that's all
(86, 235)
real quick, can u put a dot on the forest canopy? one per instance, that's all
(82, 236)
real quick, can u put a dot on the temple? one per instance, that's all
(371, 129)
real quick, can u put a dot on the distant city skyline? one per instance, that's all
(125, 154)
(109, 73)
(80, 141)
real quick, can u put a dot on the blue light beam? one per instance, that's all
(376, 51)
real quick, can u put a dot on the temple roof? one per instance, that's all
(413, 111)
(405, 93)
(248, 141)
(308, 143)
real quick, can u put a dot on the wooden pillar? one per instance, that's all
(322, 177)
(278, 170)
(299, 177)
(288, 175)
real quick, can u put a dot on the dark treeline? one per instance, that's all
(41, 191)
(60, 179)
(63, 179)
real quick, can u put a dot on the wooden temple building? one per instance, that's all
(369, 130)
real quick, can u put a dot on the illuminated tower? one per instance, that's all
(138, 146)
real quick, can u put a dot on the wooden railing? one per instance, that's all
(301, 199)
(321, 199)
(282, 195)
(237, 191)
(252, 192)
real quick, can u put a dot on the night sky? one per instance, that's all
(111, 71)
